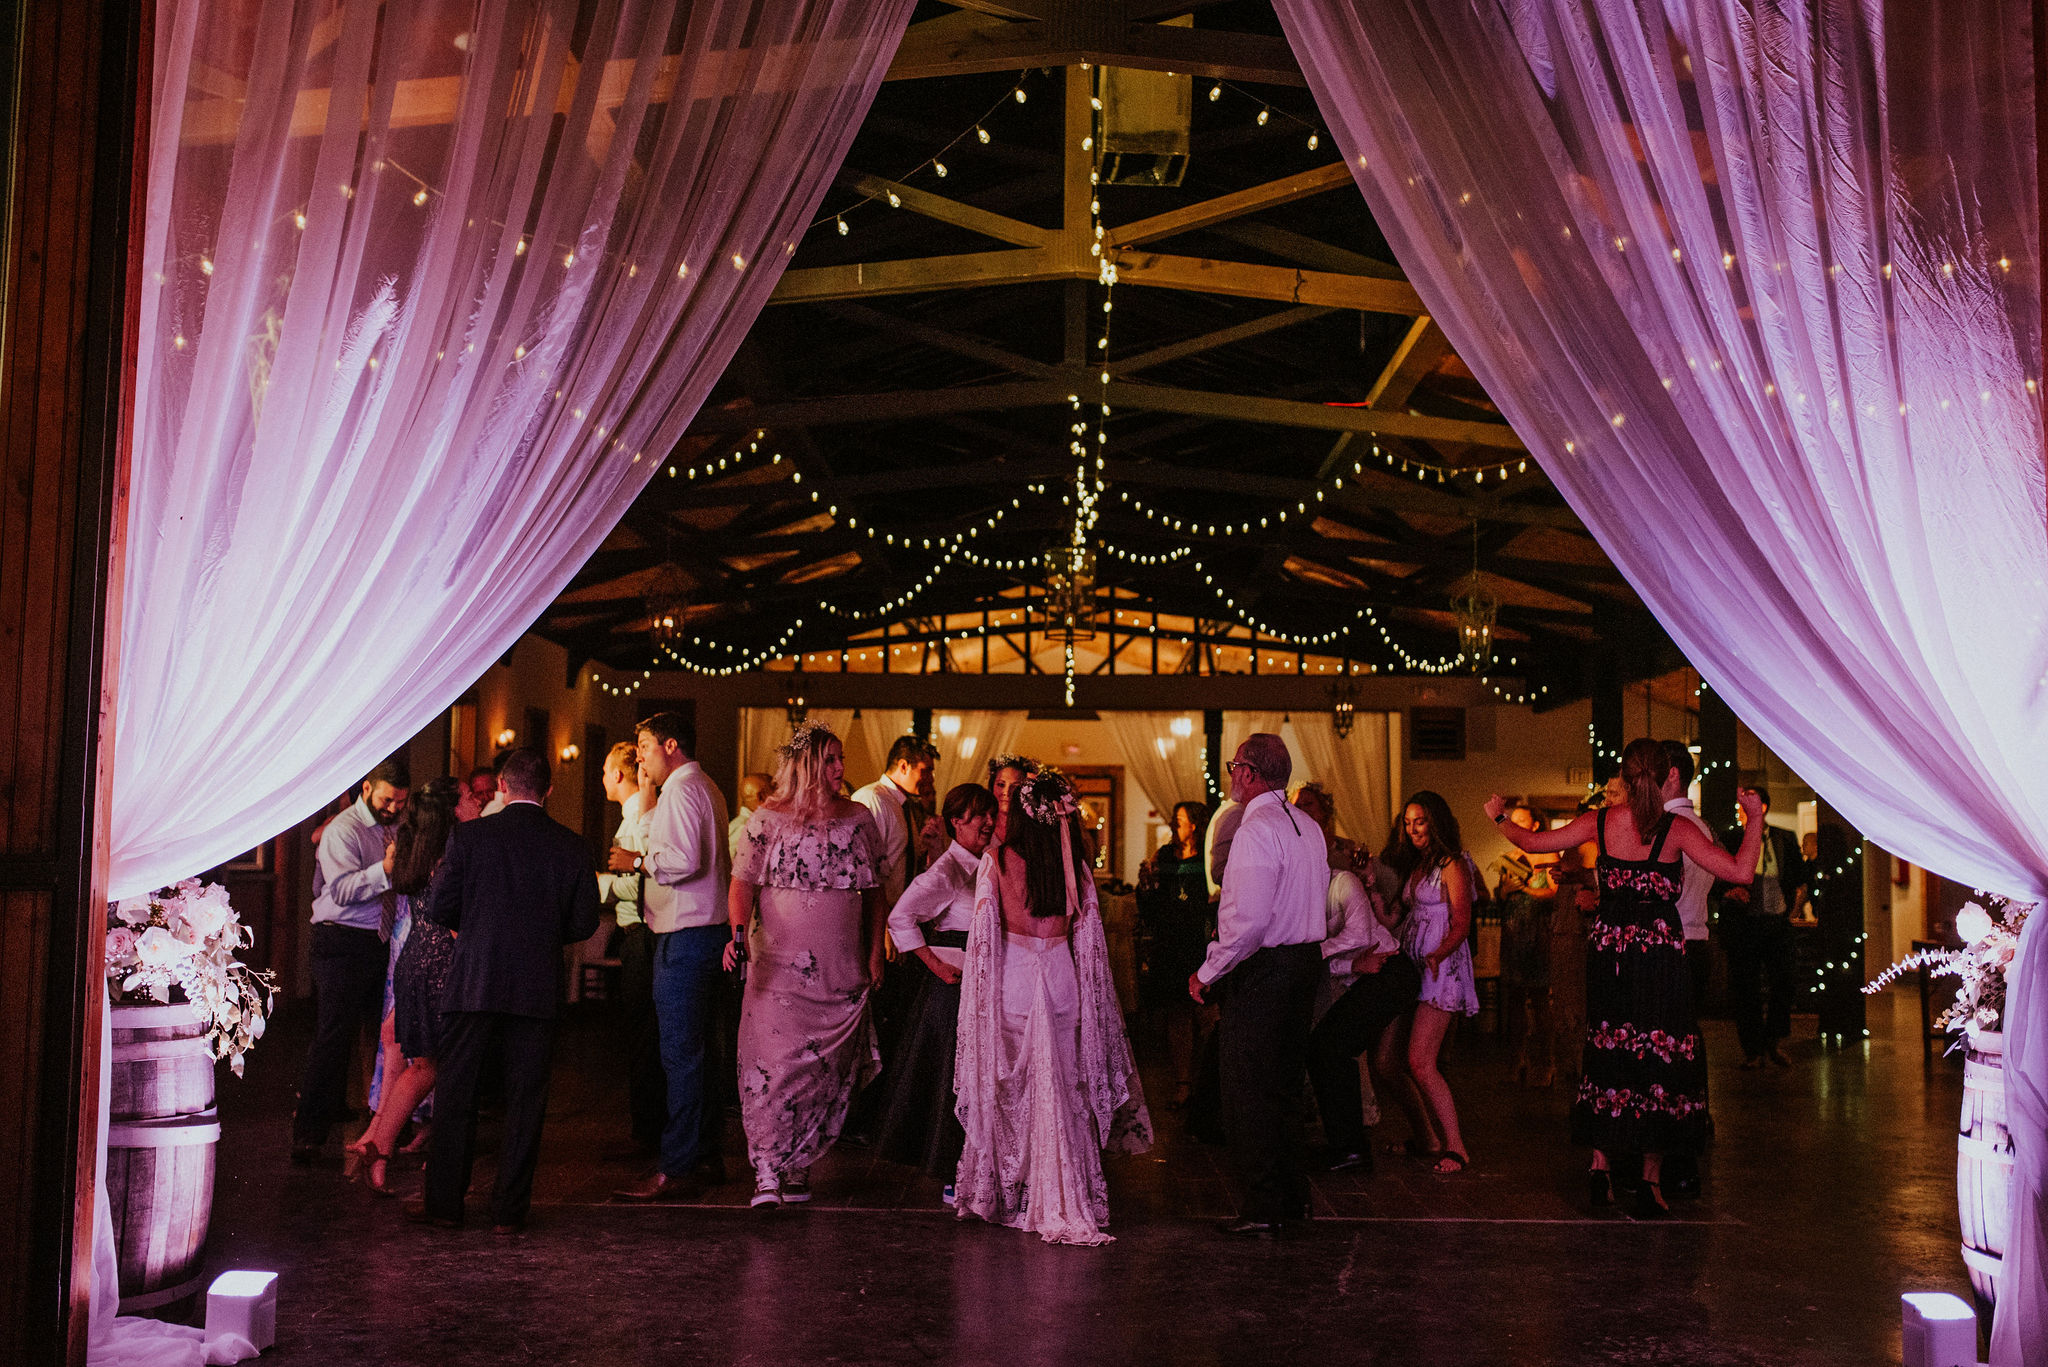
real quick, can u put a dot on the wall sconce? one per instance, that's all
(505, 738)
(569, 753)
(949, 725)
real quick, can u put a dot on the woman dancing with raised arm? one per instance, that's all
(1643, 1085)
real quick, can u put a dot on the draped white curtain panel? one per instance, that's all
(1758, 283)
(1167, 768)
(963, 758)
(1353, 768)
(430, 290)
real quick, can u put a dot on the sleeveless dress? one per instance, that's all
(1450, 987)
(418, 974)
(807, 1039)
(1643, 1085)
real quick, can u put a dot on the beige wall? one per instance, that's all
(1513, 751)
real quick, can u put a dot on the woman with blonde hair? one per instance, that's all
(1643, 1083)
(806, 913)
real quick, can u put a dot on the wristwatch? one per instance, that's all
(637, 860)
(1496, 821)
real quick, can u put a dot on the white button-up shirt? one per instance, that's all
(940, 898)
(349, 881)
(1275, 885)
(687, 864)
(885, 800)
(1216, 842)
(1697, 882)
(1352, 928)
(621, 891)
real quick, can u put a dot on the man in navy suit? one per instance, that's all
(515, 889)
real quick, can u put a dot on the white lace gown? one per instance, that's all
(1044, 1080)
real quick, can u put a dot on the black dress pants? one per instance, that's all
(1268, 1002)
(348, 994)
(1352, 1025)
(523, 1047)
(640, 1034)
(1761, 969)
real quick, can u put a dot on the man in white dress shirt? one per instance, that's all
(646, 1084)
(1682, 1170)
(1264, 966)
(890, 798)
(754, 790)
(687, 870)
(351, 873)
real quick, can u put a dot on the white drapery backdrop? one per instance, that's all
(429, 294)
(1167, 768)
(1353, 768)
(964, 757)
(764, 730)
(1758, 284)
(879, 729)
(407, 353)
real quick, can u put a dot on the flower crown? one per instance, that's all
(1023, 763)
(804, 738)
(1047, 797)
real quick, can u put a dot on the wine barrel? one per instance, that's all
(1984, 1163)
(162, 1132)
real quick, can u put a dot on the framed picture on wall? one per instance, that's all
(255, 861)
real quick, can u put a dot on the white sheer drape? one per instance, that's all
(1353, 768)
(763, 731)
(964, 757)
(1167, 768)
(430, 290)
(879, 728)
(1758, 284)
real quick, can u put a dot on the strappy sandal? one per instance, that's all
(1409, 1148)
(1457, 1160)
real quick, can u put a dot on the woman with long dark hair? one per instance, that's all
(419, 971)
(1044, 1074)
(1643, 1083)
(1177, 924)
(806, 904)
(1438, 882)
(929, 923)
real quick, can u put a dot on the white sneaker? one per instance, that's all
(946, 1196)
(796, 1187)
(767, 1192)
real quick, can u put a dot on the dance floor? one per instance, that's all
(1830, 1190)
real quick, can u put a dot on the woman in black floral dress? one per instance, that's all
(1644, 1085)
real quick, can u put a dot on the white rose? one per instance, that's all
(158, 948)
(206, 919)
(1973, 923)
(133, 910)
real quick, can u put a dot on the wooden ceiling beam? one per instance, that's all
(945, 340)
(918, 275)
(1077, 31)
(1209, 341)
(1236, 204)
(1291, 285)
(1418, 354)
(960, 214)
(1290, 413)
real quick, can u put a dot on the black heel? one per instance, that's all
(1650, 1201)
(1600, 1187)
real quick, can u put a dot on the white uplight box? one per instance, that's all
(243, 1303)
(1937, 1330)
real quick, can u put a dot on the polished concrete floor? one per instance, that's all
(1831, 1189)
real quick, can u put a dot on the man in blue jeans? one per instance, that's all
(686, 868)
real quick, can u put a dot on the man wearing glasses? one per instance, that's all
(1263, 967)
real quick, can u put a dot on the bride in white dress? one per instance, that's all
(1043, 1077)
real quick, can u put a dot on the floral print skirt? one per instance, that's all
(806, 1041)
(1644, 1083)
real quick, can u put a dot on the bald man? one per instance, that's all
(754, 790)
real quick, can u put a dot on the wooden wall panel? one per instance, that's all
(73, 96)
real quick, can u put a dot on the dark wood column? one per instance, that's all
(76, 79)
(1717, 759)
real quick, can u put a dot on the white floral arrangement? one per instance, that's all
(1991, 937)
(179, 943)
